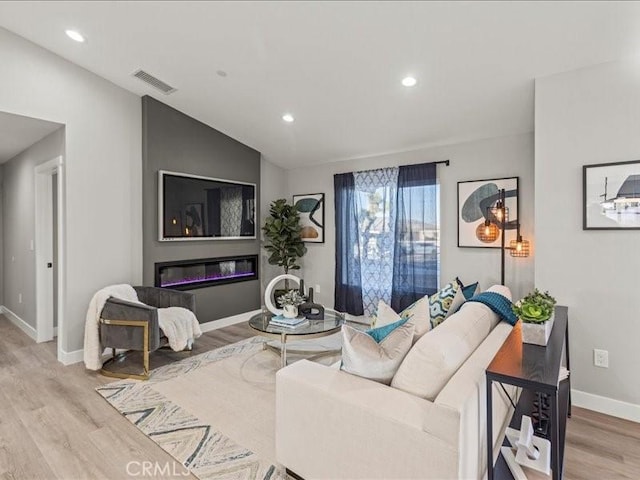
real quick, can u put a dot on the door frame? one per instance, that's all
(44, 251)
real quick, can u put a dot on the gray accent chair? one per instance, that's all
(130, 326)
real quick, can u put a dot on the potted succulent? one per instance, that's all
(536, 312)
(290, 302)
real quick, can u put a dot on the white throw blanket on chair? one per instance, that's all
(179, 325)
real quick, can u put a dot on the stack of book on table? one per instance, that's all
(282, 321)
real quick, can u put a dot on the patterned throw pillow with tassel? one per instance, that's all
(440, 303)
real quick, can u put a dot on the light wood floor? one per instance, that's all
(54, 425)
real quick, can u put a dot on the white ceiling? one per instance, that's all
(337, 66)
(17, 133)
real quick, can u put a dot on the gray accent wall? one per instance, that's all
(176, 142)
(19, 225)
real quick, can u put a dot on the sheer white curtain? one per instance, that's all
(376, 192)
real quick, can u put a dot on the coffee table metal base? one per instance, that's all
(332, 323)
(281, 350)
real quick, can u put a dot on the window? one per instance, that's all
(387, 237)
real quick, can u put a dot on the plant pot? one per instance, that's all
(537, 333)
(290, 311)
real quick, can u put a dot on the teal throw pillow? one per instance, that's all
(380, 333)
(469, 290)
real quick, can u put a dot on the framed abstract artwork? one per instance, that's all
(311, 208)
(476, 198)
(611, 196)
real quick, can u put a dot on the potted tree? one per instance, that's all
(283, 237)
(536, 312)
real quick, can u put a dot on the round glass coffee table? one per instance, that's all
(331, 324)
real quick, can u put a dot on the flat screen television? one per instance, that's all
(193, 207)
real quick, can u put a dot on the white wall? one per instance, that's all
(103, 171)
(1, 236)
(491, 158)
(589, 116)
(19, 224)
(273, 185)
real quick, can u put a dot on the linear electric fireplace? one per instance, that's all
(206, 272)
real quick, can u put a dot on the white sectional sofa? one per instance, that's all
(333, 425)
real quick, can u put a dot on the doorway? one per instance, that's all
(49, 240)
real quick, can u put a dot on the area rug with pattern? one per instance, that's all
(214, 412)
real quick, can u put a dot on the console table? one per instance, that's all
(535, 369)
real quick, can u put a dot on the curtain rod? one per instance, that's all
(445, 162)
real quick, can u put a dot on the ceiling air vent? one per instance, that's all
(154, 82)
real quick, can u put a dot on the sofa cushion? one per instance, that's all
(364, 357)
(436, 357)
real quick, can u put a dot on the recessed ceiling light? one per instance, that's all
(409, 81)
(74, 35)
(287, 117)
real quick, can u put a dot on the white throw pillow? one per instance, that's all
(364, 357)
(436, 357)
(385, 315)
(417, 313)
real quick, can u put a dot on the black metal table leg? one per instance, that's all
(489, 430)
(555, 438)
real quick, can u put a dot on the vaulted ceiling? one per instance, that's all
(337, 66)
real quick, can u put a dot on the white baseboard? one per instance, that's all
(18, 322)
(608, 406)
(227, 321)
(69, 358)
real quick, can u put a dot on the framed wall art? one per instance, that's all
(611, 196)
(311, 208)
(475, 200)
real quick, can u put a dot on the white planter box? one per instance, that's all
(537, 333)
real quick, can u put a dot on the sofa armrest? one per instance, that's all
(165, 297)
(330, 424)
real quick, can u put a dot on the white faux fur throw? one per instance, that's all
(179, 325)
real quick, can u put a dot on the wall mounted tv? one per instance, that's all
(202, 208)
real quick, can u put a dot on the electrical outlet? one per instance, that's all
(317, 288)
(19, 298)
(601, 358)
